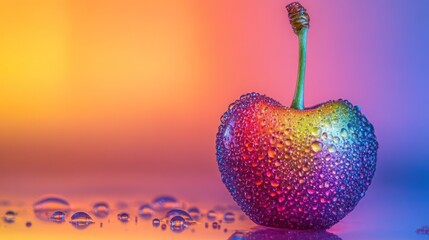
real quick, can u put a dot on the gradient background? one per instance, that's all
(124, 97)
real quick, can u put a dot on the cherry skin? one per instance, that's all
(297, 167)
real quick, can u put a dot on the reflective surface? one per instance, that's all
(385, 213)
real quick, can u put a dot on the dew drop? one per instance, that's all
(9, 217)
(44, 208)
(100, 209)
(81, 220)
(316, 146)
(344, 133)
(123, 217)
(28, 224)
(146, 211)
(324, 136)
(272, 153)
(274, 183)
(229, 217)
(331, 149)
(58, 217)
(310, 191)
(315, 131)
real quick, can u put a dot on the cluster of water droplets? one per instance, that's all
(299, 169)
(163, 212)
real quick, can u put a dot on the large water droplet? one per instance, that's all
(44, 208)
(146, 211)
(58, 217)
(123, 217)
(164, 203)
(100, 209)
(9, 216)
(316, 146)
(229, 217)
(177, 224)
(81, 220)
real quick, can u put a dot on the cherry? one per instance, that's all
(297, 167)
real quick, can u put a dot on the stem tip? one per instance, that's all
(298, 16)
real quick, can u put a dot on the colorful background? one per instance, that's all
(124, 97)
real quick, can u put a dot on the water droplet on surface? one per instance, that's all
(316, 146)
(156, 222)
(146, 211)
(58, 217)
(177, 224)
(44, 208)
(81, 220)
(195, 213)
(310, 191)
(211, 215)
(100, 209)
(28, 224)
(177, 212)
(9, 216)
(124, 217)
(331, 149)
(229, 217)
(163, 226)
(165, 203)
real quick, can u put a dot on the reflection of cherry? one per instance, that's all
(263, 233)
(296, 168)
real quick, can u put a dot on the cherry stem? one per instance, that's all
(300, 22)
(298, 99)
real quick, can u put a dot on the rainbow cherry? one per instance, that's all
(296, 168)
